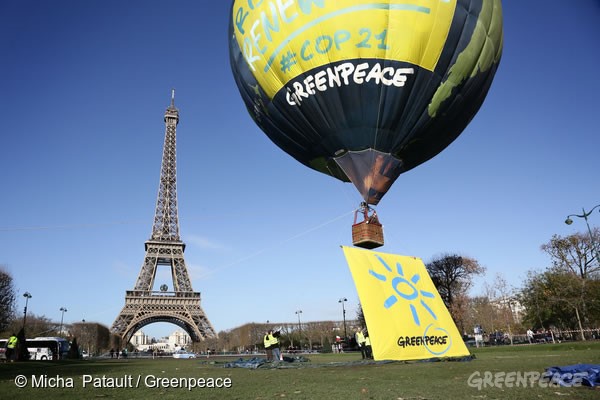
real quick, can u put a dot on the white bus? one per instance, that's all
(47, 348)
(3, 349)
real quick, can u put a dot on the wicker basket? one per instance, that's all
(367, 235)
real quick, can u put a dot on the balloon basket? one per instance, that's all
(367, 234)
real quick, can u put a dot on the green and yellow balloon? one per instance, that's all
(364, 90)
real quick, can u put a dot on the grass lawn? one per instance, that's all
(326, 376)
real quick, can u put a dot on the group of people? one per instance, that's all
(271, 342)
(364, 344)
(118, 354)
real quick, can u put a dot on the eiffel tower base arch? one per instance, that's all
(181, 308)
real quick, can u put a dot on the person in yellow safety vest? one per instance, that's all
(275, 346)
(267, 343)
(368, 348)
(11, 347)
(360, 341)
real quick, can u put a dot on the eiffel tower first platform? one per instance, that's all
(181, 306)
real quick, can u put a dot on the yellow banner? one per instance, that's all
(280, 39)
(405, 316)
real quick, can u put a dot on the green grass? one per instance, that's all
(326, 376)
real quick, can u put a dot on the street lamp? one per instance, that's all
(343, 300)
(84, 334)
(63, 310)
(585, 216)
(299, 326)
(27, 296)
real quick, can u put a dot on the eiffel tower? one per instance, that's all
(181, 306)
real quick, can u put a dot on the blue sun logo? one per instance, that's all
(405, 289)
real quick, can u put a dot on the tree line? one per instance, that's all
(562, 297)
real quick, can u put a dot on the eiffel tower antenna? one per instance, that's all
(181, 305)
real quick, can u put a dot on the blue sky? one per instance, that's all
(84, 89)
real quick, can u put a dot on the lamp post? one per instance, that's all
(85, 340)
(299, 324)
(343, 300)
(63, 310)
(27, 296)
(299, 327)
(585, 216)
(569, 221)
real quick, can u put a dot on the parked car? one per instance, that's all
(183, 354)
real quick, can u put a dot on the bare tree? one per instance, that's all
(481, 312)
(575, 253)
(93, 337)
(36, 326)
(452, 275)
(7, 299)
(360, 317)
(317, 332)
(503, 300)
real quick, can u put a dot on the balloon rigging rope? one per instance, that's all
(239, 261)
(218, 269)
(264, 250)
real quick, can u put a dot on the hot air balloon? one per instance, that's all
(364, 90)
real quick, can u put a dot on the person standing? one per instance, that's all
(360, 341)
(368, 348)
(478, 330)
(11, 348)
(530, 336)
(267, 343)
(275, 346)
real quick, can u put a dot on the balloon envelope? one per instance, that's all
(364, 90)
